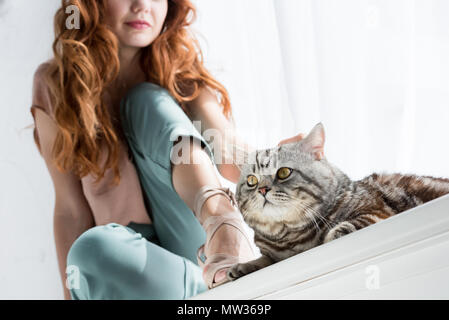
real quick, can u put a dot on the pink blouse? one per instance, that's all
(122, 203)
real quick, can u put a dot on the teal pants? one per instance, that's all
(143, 261)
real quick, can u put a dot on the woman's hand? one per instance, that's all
(296, 138)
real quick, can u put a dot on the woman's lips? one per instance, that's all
(138, 25)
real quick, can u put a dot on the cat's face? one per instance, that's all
(286, 184)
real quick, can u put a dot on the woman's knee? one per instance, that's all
(86, 247)
(102, 249)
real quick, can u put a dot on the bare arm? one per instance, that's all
(232, 171)
(206, 108)
(72, 213)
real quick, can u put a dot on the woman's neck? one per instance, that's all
(130, 72)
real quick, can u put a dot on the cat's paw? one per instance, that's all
(341, 229)
(239, 270)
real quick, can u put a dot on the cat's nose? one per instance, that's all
(264, 190)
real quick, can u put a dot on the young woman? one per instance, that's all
(120, 92)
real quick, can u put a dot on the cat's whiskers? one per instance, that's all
(310, 215)
(281, 196)
(316, 214)
(327, 222)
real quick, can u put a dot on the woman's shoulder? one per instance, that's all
(42, 69)
(40, 93)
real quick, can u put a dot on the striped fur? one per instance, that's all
(317, 203)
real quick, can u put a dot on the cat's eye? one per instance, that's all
(284, 173)
(252, 181)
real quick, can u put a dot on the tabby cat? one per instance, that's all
(294, 199)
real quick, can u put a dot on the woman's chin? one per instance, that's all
(137, 42)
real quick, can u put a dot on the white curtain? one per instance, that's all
(375, 72)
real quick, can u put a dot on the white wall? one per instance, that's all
(28, 267)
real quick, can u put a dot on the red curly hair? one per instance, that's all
(86, 61)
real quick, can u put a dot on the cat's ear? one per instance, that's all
(314, 142)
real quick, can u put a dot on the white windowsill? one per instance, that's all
(410, 251)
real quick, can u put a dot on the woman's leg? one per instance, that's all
(152, 122)
(114, 262)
